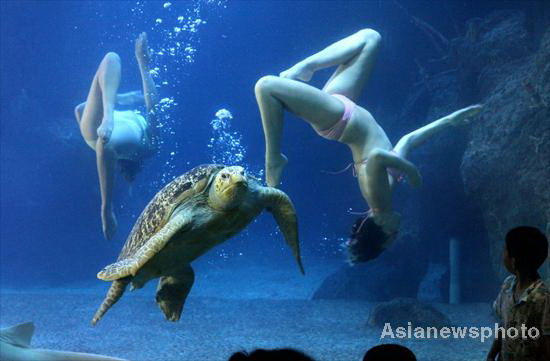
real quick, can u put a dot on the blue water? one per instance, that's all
(50, 226)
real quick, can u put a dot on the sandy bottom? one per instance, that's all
(265, 308)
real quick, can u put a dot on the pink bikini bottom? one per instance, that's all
(335, 132)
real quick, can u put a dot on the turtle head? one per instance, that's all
(229, 188)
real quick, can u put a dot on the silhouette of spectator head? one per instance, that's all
(389, 352)
(525, 251)
(283, 354)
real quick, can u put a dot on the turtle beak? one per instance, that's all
(238, 180)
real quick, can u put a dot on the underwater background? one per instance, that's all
(436, 57)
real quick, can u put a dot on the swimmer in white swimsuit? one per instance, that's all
(118, 137)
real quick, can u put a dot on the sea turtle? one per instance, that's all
(195, 212)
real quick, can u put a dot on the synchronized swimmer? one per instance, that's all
(123, 137)
(127, 137)
(333, 114)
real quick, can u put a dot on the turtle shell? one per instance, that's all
(160, 208)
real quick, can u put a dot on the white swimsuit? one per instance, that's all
(130, 118)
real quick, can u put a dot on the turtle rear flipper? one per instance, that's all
(113, 295)
(130, 266)
(172, 292)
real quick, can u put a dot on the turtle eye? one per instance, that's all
(242, 172)
(224, 176)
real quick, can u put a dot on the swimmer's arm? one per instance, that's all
(392, 160)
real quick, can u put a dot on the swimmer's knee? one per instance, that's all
(371, 37)
(111, 58)
(78, 110)
(266, 84)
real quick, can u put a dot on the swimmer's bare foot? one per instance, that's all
(105, 130)
(274, 169)
(299, 71)
(109, 222)
(463, 116)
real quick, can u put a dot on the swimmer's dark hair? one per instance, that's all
(389, 352)
(129, 169)
(529, 247)
(271, 355)
(366, 240)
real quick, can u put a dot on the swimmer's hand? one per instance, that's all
(143, 53)
(299, 71)
(414, 178)
(464, 116)
(104, 131)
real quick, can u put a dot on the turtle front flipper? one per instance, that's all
(280, 205)
(172, 292)
(129, 266)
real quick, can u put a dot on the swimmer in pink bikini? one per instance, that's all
(333, 114)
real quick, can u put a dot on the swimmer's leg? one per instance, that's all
(416, 138)
(109, 80)
(351, 76)
(106, 165)
(78, 112)
(97, 114)
(354, 55)
(125, 139)
(274, 94)
(89, 113)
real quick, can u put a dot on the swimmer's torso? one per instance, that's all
(128, 133)
(363, 134)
